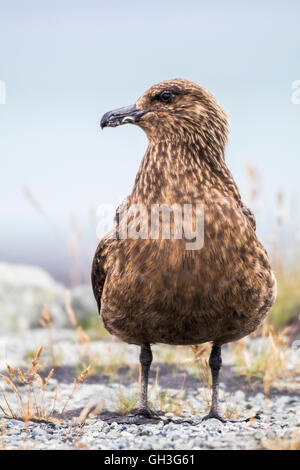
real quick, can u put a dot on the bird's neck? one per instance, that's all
(178, 172)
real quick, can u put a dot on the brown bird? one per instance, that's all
(155, 290)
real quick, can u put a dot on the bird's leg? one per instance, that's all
(215, 363)
(145, 361)
(142, 413)
(143, 410)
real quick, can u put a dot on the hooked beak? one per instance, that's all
(129, 114)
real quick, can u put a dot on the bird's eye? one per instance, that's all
(166, 96)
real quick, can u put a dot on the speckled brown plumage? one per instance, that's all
(156, 291)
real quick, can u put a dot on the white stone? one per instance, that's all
(25, 290)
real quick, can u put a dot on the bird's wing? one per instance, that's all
(249, 214)
(98, 274)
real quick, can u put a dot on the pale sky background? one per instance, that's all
(66, 62)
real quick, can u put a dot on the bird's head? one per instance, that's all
(175, 110)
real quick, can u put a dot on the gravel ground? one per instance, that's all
(279, 423)
(280, 419)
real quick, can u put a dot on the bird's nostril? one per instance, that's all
(128, 119)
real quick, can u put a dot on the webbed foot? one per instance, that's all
(215, 415)
(136, 416)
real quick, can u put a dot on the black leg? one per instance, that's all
(142, 414)
(145, 361)
(215, 363)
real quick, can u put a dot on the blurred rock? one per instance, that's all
(25, 290)
(83, 302)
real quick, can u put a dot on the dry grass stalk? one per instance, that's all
(83, 376)
(70, 311)
(201, 360)
(94, 413)
(31, 395)
(84, 414)
(21, 377)
(267, 362)
(253, 181)
(127, 403)
(77, 382)
(11, 372)
(83, 340)
(46, 322)
(155, 383)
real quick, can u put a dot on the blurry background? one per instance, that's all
(67, 62)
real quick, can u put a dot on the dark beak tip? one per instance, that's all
(104, 120)
(128, 114)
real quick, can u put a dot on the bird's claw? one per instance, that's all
(144, 416)
(136, 416)
(215, 415)
(145, 413)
